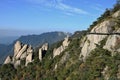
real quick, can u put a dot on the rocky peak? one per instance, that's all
(8, 60)
(42, 51)
(21, 51)
(17, 47)
(60, 49)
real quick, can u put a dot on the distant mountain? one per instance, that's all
(7, 39)
(4, 51)
(34, 40)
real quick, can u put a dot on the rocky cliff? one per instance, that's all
(100, 32)
(60, 49)
(21, 52)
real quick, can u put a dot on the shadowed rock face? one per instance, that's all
(21, 51)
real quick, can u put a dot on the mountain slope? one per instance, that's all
(93, 56)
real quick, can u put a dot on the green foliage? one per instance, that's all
(7, 72)
(72, 68)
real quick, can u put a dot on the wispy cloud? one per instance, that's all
(59, 5)
(98, 7)
(70, 9)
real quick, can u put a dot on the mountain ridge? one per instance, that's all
(88, 57)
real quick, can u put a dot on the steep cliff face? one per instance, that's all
(100, 32)
(113, 42)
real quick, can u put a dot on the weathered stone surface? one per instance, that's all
(17, 47)
(60, 49)
(29, 50)
(8, 60)
(43, 50)
(104, 27)
(40, 54)
(66, 42)
(116, 14)
(45, 46)
(112, 43)
(24, 55)
(29, 59)
(21, 51)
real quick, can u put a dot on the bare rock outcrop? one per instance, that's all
(28, 59)
(42, 51)
(93, 39)
(60, 49)
(17, 47)
(116, 14)
(8, 60)
(21, 51)
(112, 43)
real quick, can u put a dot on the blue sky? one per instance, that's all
(22, 17)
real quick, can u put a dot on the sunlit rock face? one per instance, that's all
(60, 49)
(92, 39)
(21, 51)
(112, 43)
(8, 60)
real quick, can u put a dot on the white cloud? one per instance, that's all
(70, 9)
(58, 4)
(98, 7)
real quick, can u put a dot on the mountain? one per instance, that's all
(7, 39)
(34, 40)
(50, 37)
(95, 55)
